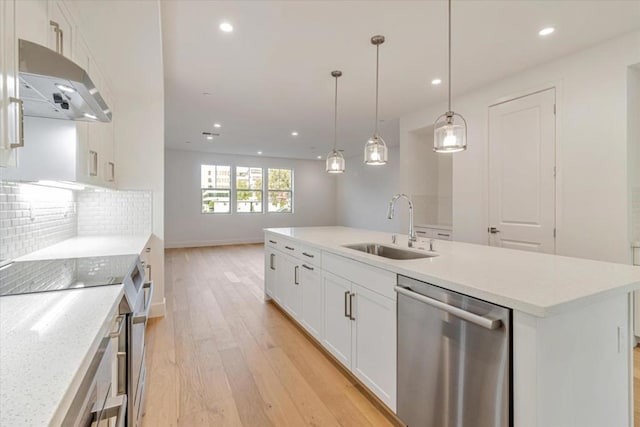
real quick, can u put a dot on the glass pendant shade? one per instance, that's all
(335, 162)
(375, 151)
(449, 134)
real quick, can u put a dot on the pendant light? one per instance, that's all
(375, 150)
(335, 159)
(449, 134)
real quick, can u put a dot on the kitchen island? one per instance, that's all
(570, 330)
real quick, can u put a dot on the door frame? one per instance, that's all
(557, 85)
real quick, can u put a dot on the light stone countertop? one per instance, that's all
(47, 341)
(538, 284)
(90, 246)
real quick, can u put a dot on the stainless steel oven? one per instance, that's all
(95, 403)
(137, 367)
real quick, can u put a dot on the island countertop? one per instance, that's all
(538, 284)
(47, 341)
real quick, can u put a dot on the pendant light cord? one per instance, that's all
(335, 117)
(449, 55)
(377, 68)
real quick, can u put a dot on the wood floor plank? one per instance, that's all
(251, 407)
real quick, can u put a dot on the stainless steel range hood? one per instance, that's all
(53, 86)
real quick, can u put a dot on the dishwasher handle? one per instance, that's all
(485, 322)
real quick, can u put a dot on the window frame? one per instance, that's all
(290, 191)
(230, 189)
(236, 190)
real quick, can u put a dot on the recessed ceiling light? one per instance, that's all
(217, 125)
(436, 81)
(226, 27)
(294, 133)
(546, 31)
(319, 157)
(209, 137)
(259, 152)
(65, 88)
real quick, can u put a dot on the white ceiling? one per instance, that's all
(271, 75)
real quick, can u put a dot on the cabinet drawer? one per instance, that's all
(372, 278)
(434, 233)
(310, 255)
(636, 256)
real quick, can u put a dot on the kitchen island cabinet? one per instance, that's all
(571, 318)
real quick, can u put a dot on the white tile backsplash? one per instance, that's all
(33, 217)
(635, 207)
(108, 212)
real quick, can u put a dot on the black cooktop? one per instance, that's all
(23, 277)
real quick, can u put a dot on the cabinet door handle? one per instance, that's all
(308, 255)
(295, 275)
(59, 37)
(307, 267)
(271, 263)
(112, 171)
(346, 297)
(93, 163)
(289, 247)
(351, 316)
(149, 268)
(20, 142)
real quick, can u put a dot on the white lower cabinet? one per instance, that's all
(351, 313)
(337, 323)
(373, 344)
(312, 306)
(360, 331)
(289, 282)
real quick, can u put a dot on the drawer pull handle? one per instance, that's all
(308, 255)
(443, 235)
(289, 247)
(273, 241)
(307, 267)
(421, 232)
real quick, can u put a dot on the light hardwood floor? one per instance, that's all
(222, 356)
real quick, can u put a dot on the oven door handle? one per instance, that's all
(485, 322)
(142, 317)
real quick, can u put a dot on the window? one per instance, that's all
(216, 188)
(280, 190)
(248, 190)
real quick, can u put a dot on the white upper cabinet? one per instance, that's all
(61, 29)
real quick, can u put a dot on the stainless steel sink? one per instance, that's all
(389, 251)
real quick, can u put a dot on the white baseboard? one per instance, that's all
(158, 309)
(203, 243)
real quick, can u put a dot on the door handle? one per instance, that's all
(271, 263)
(485, 322)
(58, 31)
(493, 230)
(142, 317)
(346, 297)
(295, 275)
(20, 142)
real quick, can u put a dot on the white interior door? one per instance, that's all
(522, 173)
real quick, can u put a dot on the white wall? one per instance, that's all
(185, 225)
(363, 194)
(592, 205)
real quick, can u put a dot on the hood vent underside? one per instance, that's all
(55, 87)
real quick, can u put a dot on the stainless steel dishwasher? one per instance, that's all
(454, 358)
